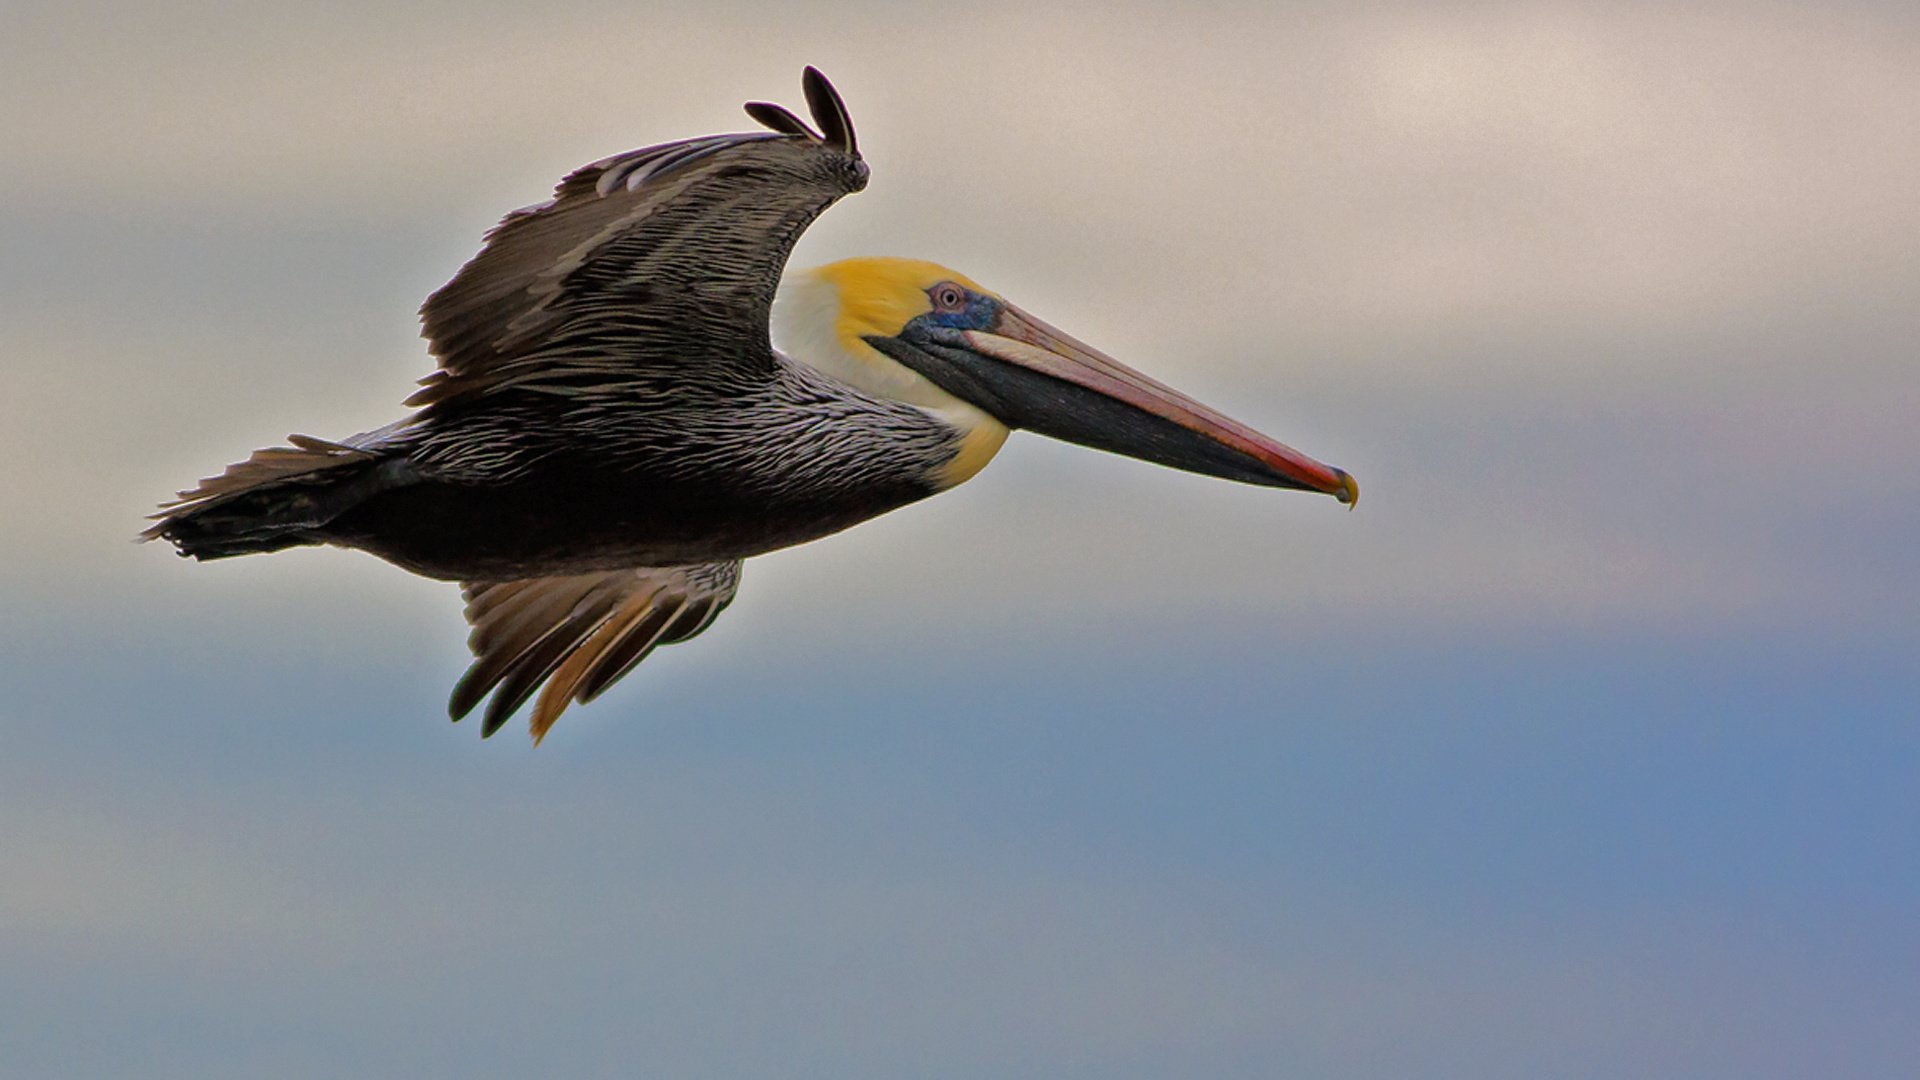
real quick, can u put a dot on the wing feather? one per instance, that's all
(641, 255)
(623, 652)
(828, 111)
(767, 114)
(578, 634)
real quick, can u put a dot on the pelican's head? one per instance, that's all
(918, 332)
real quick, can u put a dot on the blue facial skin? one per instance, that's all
(976, 312)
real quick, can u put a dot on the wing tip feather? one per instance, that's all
(778, 118)
(569, 638)
(829, 111)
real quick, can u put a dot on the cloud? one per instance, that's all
(1609, 312)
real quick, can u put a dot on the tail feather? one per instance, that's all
(275, 499)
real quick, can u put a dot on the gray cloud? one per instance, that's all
(1567, 249)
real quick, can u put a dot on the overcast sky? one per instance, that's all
(1584, 747)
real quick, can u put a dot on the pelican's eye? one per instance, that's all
(948, 298)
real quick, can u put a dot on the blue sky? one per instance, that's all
(1584, 748)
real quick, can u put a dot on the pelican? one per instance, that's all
(610, 430)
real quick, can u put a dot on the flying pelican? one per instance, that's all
(610, 430)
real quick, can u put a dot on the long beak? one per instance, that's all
(1030, 375)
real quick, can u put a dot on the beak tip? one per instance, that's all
(1349, 490)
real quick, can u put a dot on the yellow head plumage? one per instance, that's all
(881, 295)
(822, 317)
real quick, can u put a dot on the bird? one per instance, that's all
(610, 429)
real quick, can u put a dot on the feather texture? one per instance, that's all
(578, 634)
(609, 430)
(688, 235)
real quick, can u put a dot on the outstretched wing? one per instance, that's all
(641, 254)
(578, 634)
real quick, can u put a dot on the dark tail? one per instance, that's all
(281, 497)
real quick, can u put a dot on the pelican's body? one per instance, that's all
(611, 429)
(515, 488)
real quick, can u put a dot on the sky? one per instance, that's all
(1585, 747)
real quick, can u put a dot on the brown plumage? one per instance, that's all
(610, 431)
(579, 633)
(562, 464)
